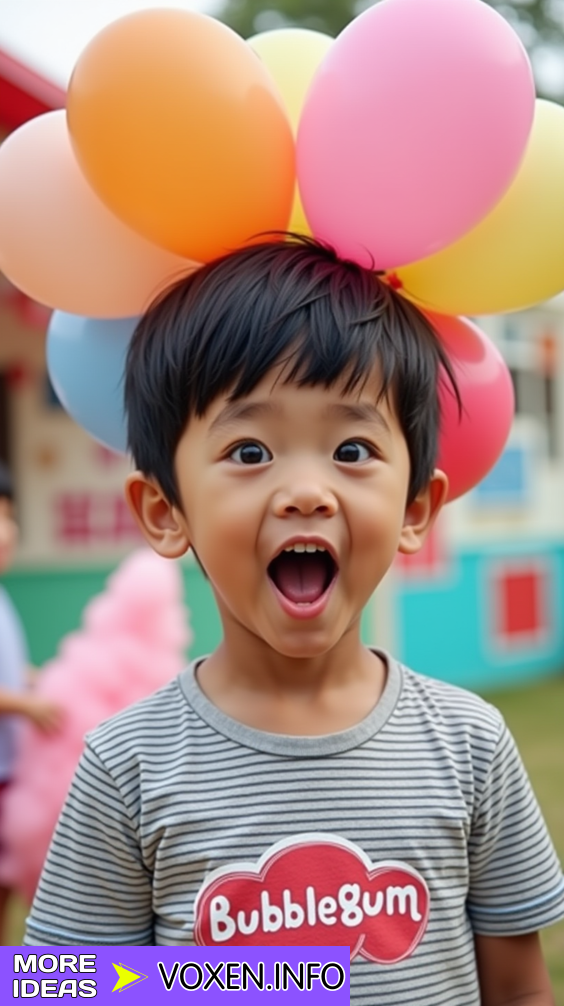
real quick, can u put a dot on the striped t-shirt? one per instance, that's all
(399, 837)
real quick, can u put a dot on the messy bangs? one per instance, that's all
(222, 329)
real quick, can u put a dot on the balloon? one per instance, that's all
(471, 443)
(59, 243)
(515, 257)
(180, 130)
(292, 56)
(413, 128)
(86, 359)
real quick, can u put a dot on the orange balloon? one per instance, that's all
(59, 243)
(180, 130)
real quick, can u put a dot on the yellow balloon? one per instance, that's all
(292, 56)
(514, 258)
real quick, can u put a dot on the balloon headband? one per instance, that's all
(412, 144)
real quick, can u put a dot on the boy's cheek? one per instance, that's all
(228, 557)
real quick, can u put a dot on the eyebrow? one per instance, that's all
(362, 412)
(242, 410)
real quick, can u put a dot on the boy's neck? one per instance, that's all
(311, 696)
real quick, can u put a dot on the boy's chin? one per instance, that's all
(303, 646)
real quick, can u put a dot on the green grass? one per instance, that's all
(535, 716)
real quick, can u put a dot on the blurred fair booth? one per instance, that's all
(74, 522)
(491, 576)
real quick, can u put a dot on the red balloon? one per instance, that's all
(470, 443)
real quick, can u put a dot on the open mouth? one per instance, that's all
(303, 576)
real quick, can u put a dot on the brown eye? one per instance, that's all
(352, 452)
(251, 453)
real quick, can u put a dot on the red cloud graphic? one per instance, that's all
(315, 890)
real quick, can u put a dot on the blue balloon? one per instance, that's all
(86, 362)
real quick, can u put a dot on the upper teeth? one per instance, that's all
(301, 546)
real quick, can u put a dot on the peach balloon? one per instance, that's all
(181, 131)
(59, 243)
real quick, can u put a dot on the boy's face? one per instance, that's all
(291, 467)
(8, 533)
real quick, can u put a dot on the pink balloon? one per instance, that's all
(59, 243)
(413, 128)
(471, 443)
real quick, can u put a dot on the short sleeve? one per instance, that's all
(516, 883)
(94, 889)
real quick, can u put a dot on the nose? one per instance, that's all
(305, 493)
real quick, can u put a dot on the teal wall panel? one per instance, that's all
(445, 626)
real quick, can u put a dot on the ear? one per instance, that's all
(161, 523)
(421, 513)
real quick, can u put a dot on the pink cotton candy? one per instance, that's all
(132, 641)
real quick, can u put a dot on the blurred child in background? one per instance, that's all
(16, 699)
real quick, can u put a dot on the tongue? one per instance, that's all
(300, 577)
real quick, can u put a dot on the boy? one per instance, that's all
(294, 786)
(14, 698)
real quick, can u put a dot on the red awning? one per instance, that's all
(24, 93)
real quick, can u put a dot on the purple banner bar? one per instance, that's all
(159, 974)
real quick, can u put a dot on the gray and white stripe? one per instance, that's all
(172, 789)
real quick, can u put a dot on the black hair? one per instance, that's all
(6, 484)
(221, 329)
